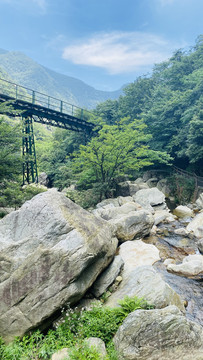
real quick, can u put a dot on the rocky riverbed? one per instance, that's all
(53, 252)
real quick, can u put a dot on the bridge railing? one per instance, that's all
(22, 93)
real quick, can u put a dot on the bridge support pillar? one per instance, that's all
(30, 174)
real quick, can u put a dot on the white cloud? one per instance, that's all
(120, 52)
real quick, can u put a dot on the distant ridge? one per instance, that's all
(25, 71)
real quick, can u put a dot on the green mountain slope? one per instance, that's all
(24, 71)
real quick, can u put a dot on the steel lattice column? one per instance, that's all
(30, 174)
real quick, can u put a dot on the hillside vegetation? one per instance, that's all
(26, 72)
(157, 122)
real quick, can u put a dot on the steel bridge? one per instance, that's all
(32, 106)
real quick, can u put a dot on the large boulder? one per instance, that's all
(145, 282)
(137, 253)
(52, 251)
(159, 335)
(148, 198)
(129, 220)
(196, 225)
(136, 224)
(108, 276)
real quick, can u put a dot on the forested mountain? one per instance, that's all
(158, 121)
(171, 104)
(23, 70)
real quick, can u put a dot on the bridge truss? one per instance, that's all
(33, 106)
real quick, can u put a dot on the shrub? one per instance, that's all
(74, 327)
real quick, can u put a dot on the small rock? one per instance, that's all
(191, 266)
(61, 354)
(98, 344)
(183, 211)
(169, 261)
(200, 245)
(181, 231)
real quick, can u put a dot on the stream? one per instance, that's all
(177, 247)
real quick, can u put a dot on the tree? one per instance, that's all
(116, 150)
(10, 158)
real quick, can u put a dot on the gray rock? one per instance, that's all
(43, 179)
(191, 266)
(163, 186)
(136, 224)
(108, 276)
(199, 201)
(200, 245)
(62, 354)
(149, 197)
(97, 344)
(111, 201)
(159, 335)
(51, 253)
(137, 253)
(152, 182)
(196, 225)
(183, 211)
(112, 212)
(145, 282)
(127, 188)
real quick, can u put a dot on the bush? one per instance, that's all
(74, 327)
(182, 188)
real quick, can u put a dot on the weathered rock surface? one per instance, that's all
(159, 335)
(162, 215)
(200, 245)
(181, 231)
(199, 201)
(108, 276)
(147, 198)
(112, 212)
(98, 345)
(51, 253)
(135, 224)
(183, 211)
(62, 354)
(43, 179)
(196, 225)
(137, 253)
(145, 282)
(129, 220)
(127, 188)
(191, 266)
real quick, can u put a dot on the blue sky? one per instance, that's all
(106, 43)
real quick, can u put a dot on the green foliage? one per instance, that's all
(182, 188)
(12, 194)
(76, 326)
(84, 352)
(10, 157)
(116, 150)
(170, 102)
(84, 198)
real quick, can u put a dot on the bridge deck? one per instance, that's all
(44, 109)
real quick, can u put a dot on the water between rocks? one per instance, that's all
(177, 247)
